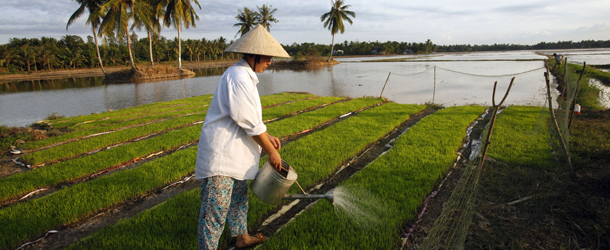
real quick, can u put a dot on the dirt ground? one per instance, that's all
(534, 208)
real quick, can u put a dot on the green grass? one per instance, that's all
(333, 146)
(521, 137)
(399, 181)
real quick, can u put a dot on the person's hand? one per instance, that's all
(275, 142)
(275, 160)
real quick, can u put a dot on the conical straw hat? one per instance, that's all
(258, 41)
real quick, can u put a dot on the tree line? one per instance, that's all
(72, 52)
(584, 44)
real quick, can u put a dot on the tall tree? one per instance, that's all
(334, 20)
(94, 19)
(179, 13)
(118, 15)
(265, 16)
(151, 23)
(246, 21)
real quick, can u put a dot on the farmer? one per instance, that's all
(231, 140)
(557, 59)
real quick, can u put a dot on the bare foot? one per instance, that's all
(245, 240)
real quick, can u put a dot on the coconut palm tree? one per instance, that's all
(151, 23)
(334, 20)
(247, 20)
(178, 13)
(265, 16)
(118, 15)
(94, 19)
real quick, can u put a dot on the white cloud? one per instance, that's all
(443, 21)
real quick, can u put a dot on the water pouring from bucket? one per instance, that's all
(271, 185)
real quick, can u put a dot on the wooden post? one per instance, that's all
(550, 99)
(434, 92)
(584, 65)
(386, 82)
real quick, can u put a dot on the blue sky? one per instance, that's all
(443, 21)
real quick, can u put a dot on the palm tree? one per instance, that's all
(150, 21)
(265, 16)
(94, 19)
(118, 15)
(247, 20)
(334, 20)
(178, 13)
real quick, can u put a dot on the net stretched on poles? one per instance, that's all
(450, 229)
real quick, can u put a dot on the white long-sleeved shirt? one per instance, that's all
(226, 146)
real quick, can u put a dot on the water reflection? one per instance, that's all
(456, 83)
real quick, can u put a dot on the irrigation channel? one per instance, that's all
(123, 179)
(447, 79)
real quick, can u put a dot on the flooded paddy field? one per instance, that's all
(446, 79)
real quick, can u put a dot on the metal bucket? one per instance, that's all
(270, 185)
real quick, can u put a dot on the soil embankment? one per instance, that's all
(96, 72)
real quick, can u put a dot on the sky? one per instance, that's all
(445, 22)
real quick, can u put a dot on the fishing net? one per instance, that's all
(451, 227)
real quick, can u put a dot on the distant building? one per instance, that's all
(407, 51)
(337, 52)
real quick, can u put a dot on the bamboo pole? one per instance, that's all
(493, 120)
(576, 93)
(434, 92)
(386, 82)
(550, 99)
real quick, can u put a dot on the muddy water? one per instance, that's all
(463, 82)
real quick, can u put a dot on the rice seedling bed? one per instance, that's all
(17, 185)
(111, 121)
(299, 106)
(521, 137)
(398, 181)
(285, 97)
(318, 117)
(74, 149)
(334, 146)
(71, 121)
(26, 220)
(113, 127)
(71, 150)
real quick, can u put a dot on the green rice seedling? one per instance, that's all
(341, 143)
(521, 137)
(71, 121)
(280, 98)
(86, 132)
(71, 150)
(27, 220)
(19, 184)
(398, 183)
(170, 109)
(169, 225)
(16, 185)
(290, 108)
(317, 117)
